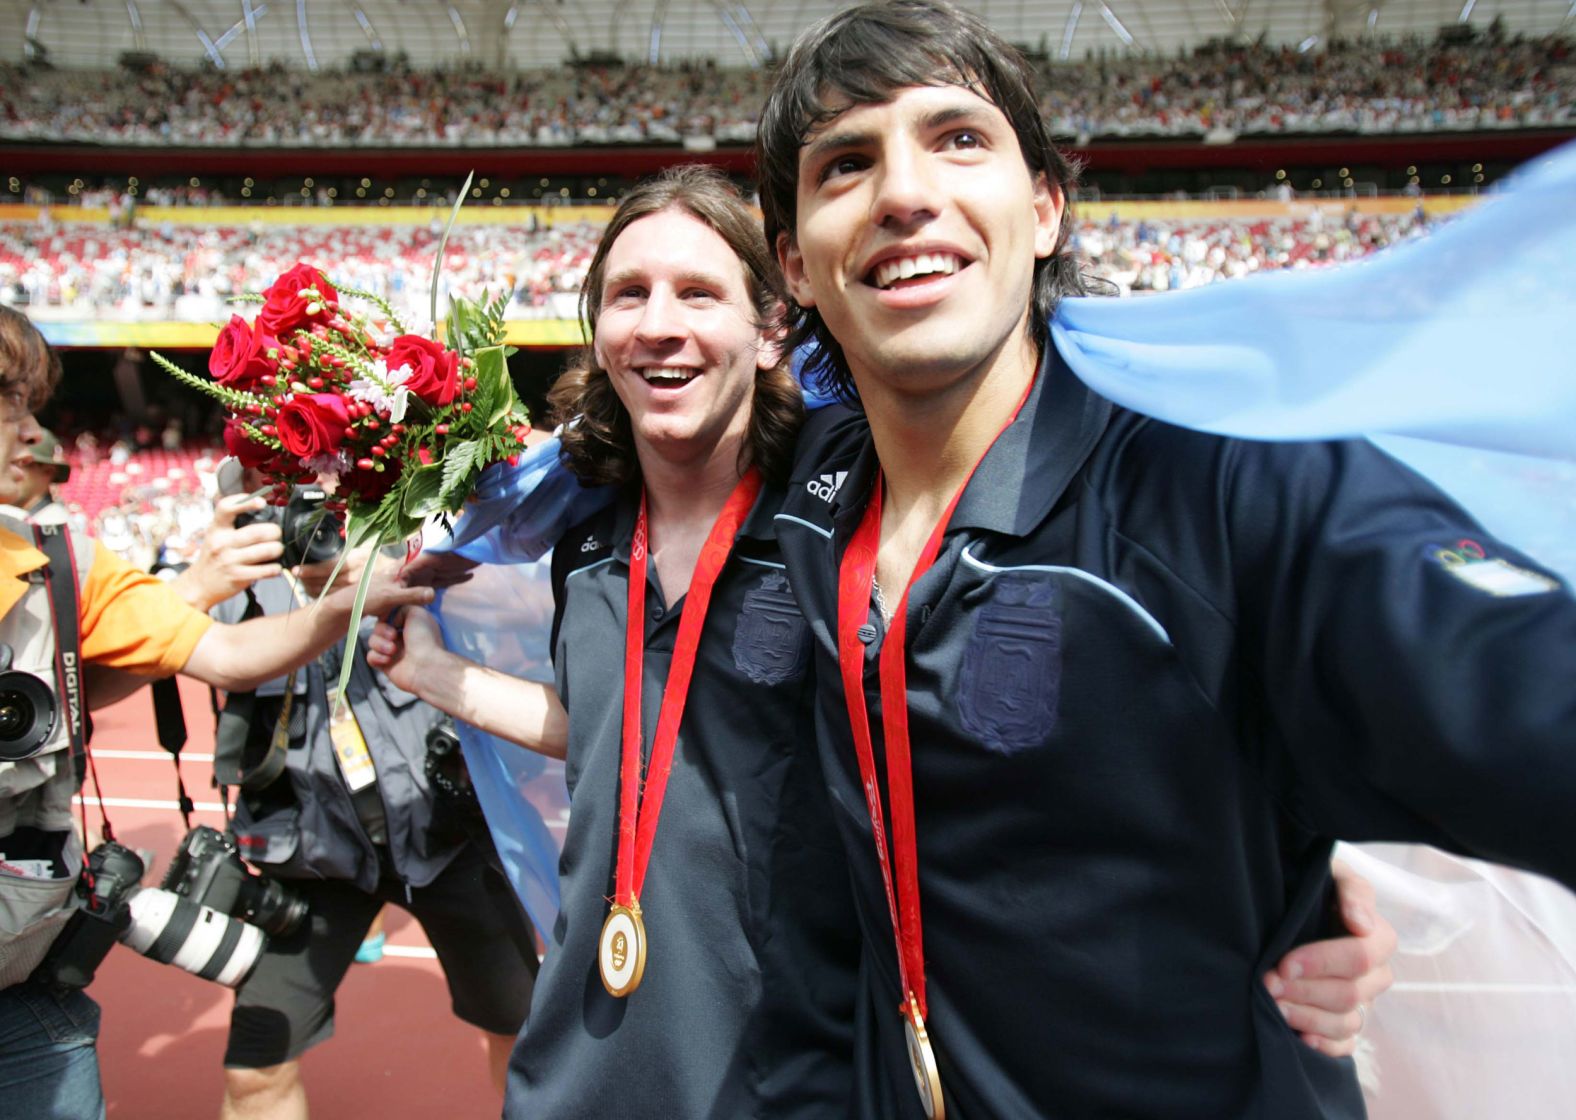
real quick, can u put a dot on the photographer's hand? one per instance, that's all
(231, 559)
(314, 577)
(412, 655)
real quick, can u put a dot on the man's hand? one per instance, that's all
(1324, 988)
(437, 569)
(404, 651)
(231, 559)
(314, 577)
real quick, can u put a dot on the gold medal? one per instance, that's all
(621, 952)
(922, 1059)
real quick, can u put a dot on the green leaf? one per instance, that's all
(422, 489)
(349, 658)
(443, 243)
(492, 382)
(459, 458)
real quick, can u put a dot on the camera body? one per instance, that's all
(28, 711)
(208, 870)
(311, 534)
(457, 814)
(102, 917)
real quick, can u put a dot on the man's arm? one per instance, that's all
(521, 711)
(1416, 672)
(239, 658)
(230, 561)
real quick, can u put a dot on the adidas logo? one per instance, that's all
(827, 486)
(591, 544)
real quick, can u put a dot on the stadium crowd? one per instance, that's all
(70, 270)
(1491, 82)
(189, 272)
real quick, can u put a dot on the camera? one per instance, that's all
(156, 923)
(28, 711)
(311, 534)
(456, 811)
(208, 869)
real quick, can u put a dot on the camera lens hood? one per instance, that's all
(28, 714)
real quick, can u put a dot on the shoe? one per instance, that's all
(371, 951)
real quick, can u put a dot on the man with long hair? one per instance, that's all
(1131, 679)
(730, 992)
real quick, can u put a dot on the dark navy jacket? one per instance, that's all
(1151, 675)
(746, 1004)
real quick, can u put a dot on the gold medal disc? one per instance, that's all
(621, 952)
(922, 1059)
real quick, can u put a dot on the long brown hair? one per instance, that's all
(598, 442)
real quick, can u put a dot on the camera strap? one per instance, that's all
(54, 541)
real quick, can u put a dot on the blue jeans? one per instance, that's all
(48, 1060)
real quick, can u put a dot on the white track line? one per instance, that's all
(150, 756)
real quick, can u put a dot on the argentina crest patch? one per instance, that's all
(771, 642)
(1012, 666)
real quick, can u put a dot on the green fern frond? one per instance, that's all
(235, 399)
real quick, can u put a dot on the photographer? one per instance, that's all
(124, 620)
(338, 806)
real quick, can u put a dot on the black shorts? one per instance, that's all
(470, 914)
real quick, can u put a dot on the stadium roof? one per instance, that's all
(511, 34)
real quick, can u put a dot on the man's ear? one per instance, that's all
(1049, 207)
(791, 261)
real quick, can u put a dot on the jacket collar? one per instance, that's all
(1026, 470)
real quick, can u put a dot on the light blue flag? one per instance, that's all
(502, 618)
(1456, 353)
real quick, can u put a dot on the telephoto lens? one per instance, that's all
(173, 930)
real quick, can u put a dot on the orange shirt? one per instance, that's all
(130, 620)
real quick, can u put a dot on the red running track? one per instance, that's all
(398, 1053)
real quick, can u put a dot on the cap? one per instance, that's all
(48, 450)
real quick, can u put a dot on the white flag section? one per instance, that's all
(1481, 1023)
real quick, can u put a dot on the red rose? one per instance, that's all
(434, 371)
(313, 425)
(240, 355)
(285, 308)
(238, 443)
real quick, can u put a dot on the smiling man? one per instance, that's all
(1109, 686)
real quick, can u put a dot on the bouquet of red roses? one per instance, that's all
(396, 427)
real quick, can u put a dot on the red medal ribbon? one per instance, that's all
(855, 576)
(637, 813)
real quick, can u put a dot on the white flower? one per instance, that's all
(384, 390)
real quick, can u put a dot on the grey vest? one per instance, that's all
(35, 793)
(305, 824)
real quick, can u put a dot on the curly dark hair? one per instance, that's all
(598, 442)
(865, 56)
(29, 367)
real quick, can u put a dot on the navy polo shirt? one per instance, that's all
(1151, 675)
(745, 1008)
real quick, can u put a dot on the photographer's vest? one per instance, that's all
(307, 824)
(35, 793)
